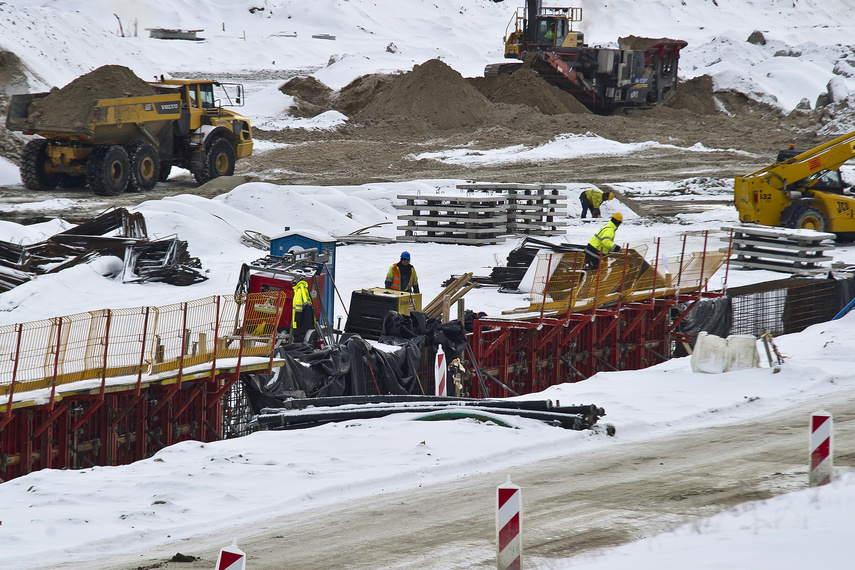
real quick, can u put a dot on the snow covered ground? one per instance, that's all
(61, 515)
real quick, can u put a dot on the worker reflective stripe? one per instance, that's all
(595, 197)
(604, 239)
(396, 277)
(300, 300)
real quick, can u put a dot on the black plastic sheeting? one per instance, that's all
(354, 367)
(715, 316)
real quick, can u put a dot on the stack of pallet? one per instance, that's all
(533, 209)
(454, 218)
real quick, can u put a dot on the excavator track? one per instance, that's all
(497, 69)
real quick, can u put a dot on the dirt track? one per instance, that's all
(573, 504)
(433, 108)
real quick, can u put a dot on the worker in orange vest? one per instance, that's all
(402, 276)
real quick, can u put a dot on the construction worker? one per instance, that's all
(592, 199)
(402, 276)
(302, 311)
(603, 242)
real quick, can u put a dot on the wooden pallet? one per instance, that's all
(779, 249)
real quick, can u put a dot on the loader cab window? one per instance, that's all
(546, 31)
(560, 31)
(206, 96)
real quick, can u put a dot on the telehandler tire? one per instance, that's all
(108, 170)
(219, 161)
(808, 218)
(33, 173)
(145, 166)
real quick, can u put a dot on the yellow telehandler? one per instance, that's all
(802, 189)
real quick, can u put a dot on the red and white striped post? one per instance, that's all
(509, 527)
(231, 558)
(821, 448)
(440, 373)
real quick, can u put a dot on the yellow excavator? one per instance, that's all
(802, 189)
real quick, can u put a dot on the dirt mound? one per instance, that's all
(643, 44)
(526, 87)
(13, 76)
(431, 97)
(695, 95)
(311, 97)
(359, 93)
(69, 107)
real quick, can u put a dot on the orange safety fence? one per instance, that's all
(136, 342)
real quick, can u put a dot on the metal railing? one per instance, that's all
(139, 342)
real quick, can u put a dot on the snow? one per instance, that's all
(50, 517)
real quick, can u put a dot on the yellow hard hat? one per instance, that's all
(609, 195)
(617, 216)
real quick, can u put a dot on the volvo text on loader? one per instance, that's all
(131, 143)
(802, 189)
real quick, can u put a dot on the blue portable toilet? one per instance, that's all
(306, 239)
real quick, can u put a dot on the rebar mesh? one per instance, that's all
(782, 307)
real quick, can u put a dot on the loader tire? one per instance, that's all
(108, 170)
(808, 218)
(145, 166)
(219, 161)
(33, 162)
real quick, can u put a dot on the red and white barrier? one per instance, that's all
(509, 527)
(231, 558)
(440, 373)
(821, 448)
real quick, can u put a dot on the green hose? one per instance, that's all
(459, 415)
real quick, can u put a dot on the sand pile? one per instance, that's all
(69, 107)
(311, 97)
(359, 93)
(525, 87)
(431, 97)
(695, 95)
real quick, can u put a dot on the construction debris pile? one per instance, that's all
(299, 413)
(166, 260)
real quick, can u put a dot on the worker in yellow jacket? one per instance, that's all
(402, 276)
(302, 311)
(592, 199)
(603, 242)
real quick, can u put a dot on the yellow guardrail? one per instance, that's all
(135, 342)
(562, 284)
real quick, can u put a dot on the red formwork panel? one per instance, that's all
(115, 428)
(528, 355)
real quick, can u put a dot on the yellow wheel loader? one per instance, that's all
(802, 189)
(131, 143)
